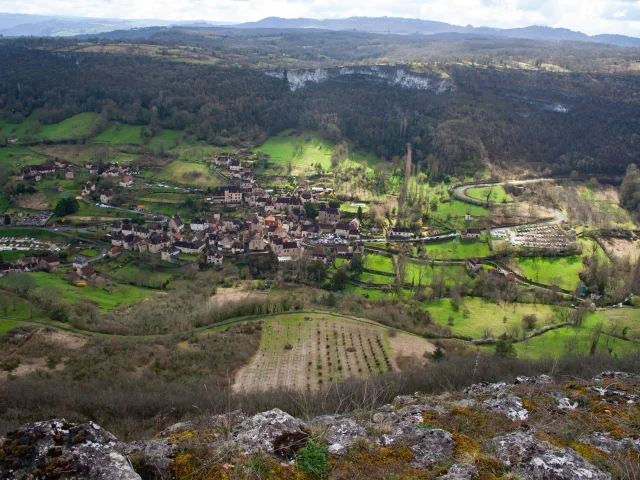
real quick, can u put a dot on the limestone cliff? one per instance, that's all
(531, 429)
(397, 76)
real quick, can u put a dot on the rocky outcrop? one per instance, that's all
(488, 428)
(396, 76)
(274, 432)
(341, 432)
(537, 459)
(509, 405)
(58, 449)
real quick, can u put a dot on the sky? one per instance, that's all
(588, 16)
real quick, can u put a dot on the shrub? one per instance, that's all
(505, 348)
(529, 322)
(313, 459)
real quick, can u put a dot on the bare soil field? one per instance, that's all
(307, 352)
(622, 248)
(36, 201)
(409, 351)
(239, 294)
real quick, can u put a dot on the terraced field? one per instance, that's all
(307, 352)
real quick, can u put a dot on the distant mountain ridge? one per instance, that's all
(411, 26)
(18, 25)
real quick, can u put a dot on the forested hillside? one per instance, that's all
(212, 84)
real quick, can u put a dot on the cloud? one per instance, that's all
(589, 16)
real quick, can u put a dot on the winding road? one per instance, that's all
(460, 192)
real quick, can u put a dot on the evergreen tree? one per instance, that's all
(505, 349)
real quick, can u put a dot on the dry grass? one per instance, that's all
(410, 351)
(36, 201)
(622, 248)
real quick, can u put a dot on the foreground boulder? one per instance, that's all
(341, 431)
(537, 459)
(58, 449)
(274, 432)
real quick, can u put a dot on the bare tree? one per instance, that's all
(400, 265)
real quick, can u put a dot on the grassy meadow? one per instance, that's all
(496, 194)
(122, 296)
(185, 173)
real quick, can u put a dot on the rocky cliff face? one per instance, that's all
(396, 76)
(532, 429)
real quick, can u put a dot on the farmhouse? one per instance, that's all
(107, 196)
(235, 166)
(237, 247)
(189, 247)
(291, 249)
(228, 194)
(176, 224)
(399, 232)
(214, 258)
(474, 264)
(88, 188)
(49, 263)
(257, 244)
(68, 175)
(319, 255)
(500, 274)
(328, 215)
(342, 229)
(114, 252)
(141, 232)
(158, 241)
(80, 262)
(310, 231)
(127, 181)
(222, 161)
(199, 225)
(169, 254)
(471, 233)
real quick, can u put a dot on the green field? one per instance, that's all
(482, 313)
(306, 149)
(375, 279)
(496, 194)
(166, 139)
(575, 340)
(370, 293)
(559, 271)
(303, 150)
(145, 277)
(119, 134)
(6, 325)
(457, 248)
(122, 296)
(452, 273)
(616, 320)
(78, 126)
(17, 157)
(186, 173)
(458, 209)
(380, 263)
(89, 252)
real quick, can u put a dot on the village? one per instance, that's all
(243, 218)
